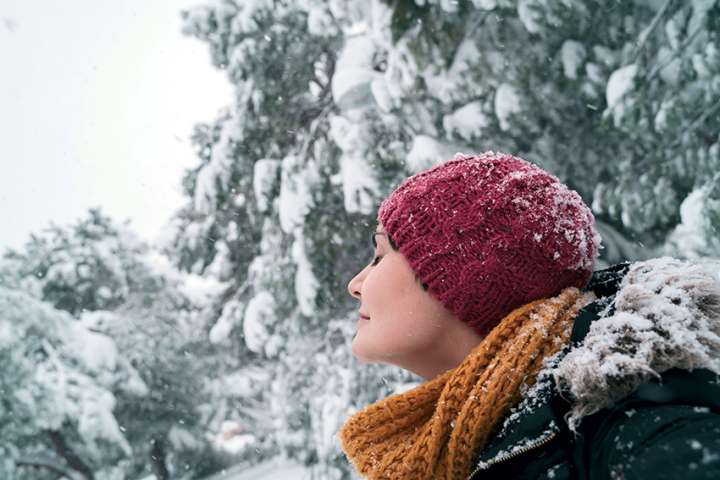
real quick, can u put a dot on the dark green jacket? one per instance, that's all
(666, 429)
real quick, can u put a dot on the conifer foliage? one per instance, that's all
(244, 314)
(96, 332)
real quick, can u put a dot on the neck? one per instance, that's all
(450, 353)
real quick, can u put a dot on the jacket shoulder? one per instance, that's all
(655, 441)
(667, 429)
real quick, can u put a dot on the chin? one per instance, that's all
(360, 352)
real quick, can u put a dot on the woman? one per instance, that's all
(482, 283)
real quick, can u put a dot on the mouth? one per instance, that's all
(364, 317)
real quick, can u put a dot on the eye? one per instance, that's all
(376, 260)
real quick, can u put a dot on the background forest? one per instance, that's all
(228, 342)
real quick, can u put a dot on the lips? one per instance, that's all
(364, 317)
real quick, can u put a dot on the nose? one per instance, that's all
(355, 284)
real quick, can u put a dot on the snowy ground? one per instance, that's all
(276, 469)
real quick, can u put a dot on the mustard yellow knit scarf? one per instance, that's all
(434, 430)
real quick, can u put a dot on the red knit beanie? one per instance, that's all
(490, 233)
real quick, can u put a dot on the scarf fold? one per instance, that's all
(434, 430)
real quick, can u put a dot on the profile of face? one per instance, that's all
(404, 324)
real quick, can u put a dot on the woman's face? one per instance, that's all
(406, 326)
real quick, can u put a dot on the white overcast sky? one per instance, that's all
(97, 101)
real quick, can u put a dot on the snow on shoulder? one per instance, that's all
(667, 315)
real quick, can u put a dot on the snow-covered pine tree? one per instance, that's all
(106, 284)
(284, 213)
(59, 387)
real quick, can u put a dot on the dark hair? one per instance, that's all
(391, 242)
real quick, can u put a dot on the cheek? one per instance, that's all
(398, 333)
(387, 289)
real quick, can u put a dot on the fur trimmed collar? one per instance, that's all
(665, 314)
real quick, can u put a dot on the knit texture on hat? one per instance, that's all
(489, 233)
(434, 430)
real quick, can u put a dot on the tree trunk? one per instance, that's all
(157, 459)
(72, 458)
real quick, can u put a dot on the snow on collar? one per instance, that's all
(667, 315)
